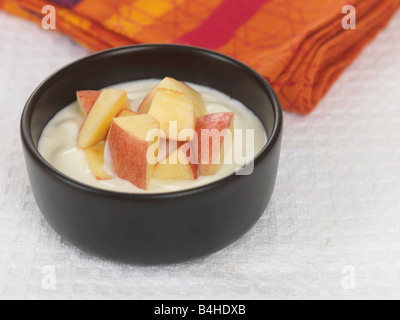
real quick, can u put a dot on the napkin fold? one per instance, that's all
(299, 46)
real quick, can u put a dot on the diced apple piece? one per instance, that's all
(172, 84)
(86, 100)
(129, 148)
(190, 93)
(97, 123)
(172, 106)
(95, 159)
(173, 168)
(209, 130)
(126, 113)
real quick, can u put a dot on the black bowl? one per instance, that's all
(161, 228)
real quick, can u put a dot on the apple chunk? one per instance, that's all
(97, 123)
(180, 165)
(86, 100)
(172, 106)
(95, 159)
(129, 148)
(172, 84)
(211, 132)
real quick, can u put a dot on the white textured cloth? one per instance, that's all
(332, 229)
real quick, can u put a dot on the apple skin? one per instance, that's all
(210, 157)
(128, 152)
(86, 100)
(178, 86)
(129, 148)
(96, 125)
(173, 169)
(95, 159)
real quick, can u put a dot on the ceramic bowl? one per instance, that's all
(160, 228)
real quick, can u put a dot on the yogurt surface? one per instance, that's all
(58, 142)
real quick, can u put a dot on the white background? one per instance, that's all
(336, 202)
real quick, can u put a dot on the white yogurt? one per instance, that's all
(58, 142)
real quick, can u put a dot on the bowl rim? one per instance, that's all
(43, 86)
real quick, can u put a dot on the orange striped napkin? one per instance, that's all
(299, 46)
